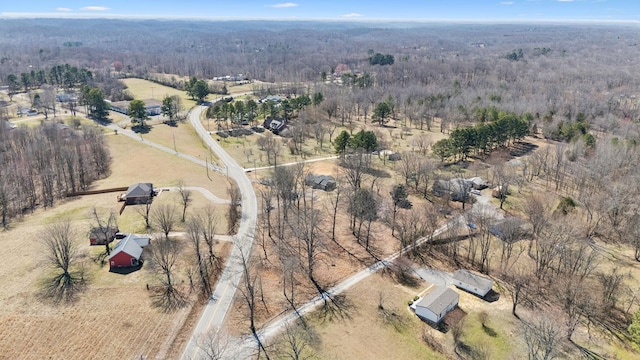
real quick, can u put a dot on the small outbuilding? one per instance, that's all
(472, 282)
(126, 254)
(435, 305)
(99, 236)
(141, 193)
(322, 182)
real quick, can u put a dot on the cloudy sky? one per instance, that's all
(485, 10)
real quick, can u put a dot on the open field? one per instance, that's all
(143, 89)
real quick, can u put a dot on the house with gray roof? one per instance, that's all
(322, 182)
(436, 304)
(472, 282)
(141, 193)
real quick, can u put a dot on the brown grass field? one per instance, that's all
(113, 318)
(143, 89)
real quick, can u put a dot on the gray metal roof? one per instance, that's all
(439, 299)
(140, 189)
(129, 246)
(475, 280)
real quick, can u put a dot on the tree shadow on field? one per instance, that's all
(378, 173)
(141, 129)
(522, 148)
(588, 354)
(489, 331)
(336, 307)
(62, 288)
(167, 298)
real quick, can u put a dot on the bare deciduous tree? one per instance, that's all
(163, 217)
(185, 198)
(213, 344)
(60, 251)
(250, 288)
(163, 255)
(543, 337)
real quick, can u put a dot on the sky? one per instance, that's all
(443, 10)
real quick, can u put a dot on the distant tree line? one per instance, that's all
(45, 163)
(483, 137)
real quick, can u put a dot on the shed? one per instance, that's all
(322, 182)
(471, 282)
(141, 193)
(435, 305)
(98, 236)
(126, 254)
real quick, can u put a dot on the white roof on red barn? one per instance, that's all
(129, 246)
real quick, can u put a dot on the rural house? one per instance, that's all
(322, 182)
(471, 282)
(457, 189)
(98, 236)
(435, 305)
(153, 107)
(127, 253)
(141, 193)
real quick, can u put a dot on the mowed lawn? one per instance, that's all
(114, 317)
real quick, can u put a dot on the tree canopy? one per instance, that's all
(138, 112)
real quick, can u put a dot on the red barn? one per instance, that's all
(126, 254)
(98, 236)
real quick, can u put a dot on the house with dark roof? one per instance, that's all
(436, 304)
(457, 189)
(128, 253)
(141, 193)
(471, 282)
(322, 182)
(275, 125)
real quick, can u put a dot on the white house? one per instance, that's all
(435, 305)
(471, 282)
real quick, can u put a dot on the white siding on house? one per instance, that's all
(435, 305)
(473, 283)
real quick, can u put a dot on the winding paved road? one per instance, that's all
(214, 312)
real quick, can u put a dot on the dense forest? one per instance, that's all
(554, 72)
(42, 164)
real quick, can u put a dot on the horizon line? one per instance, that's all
(84, 16)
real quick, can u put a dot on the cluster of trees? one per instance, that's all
(567, 130)
(172, 108)
(363, 140)
(483, 137)
(240, 112)
(515, 55)
(65, 75)
(197, 89)
(46, 163)
(93, 99)
(380, 59)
